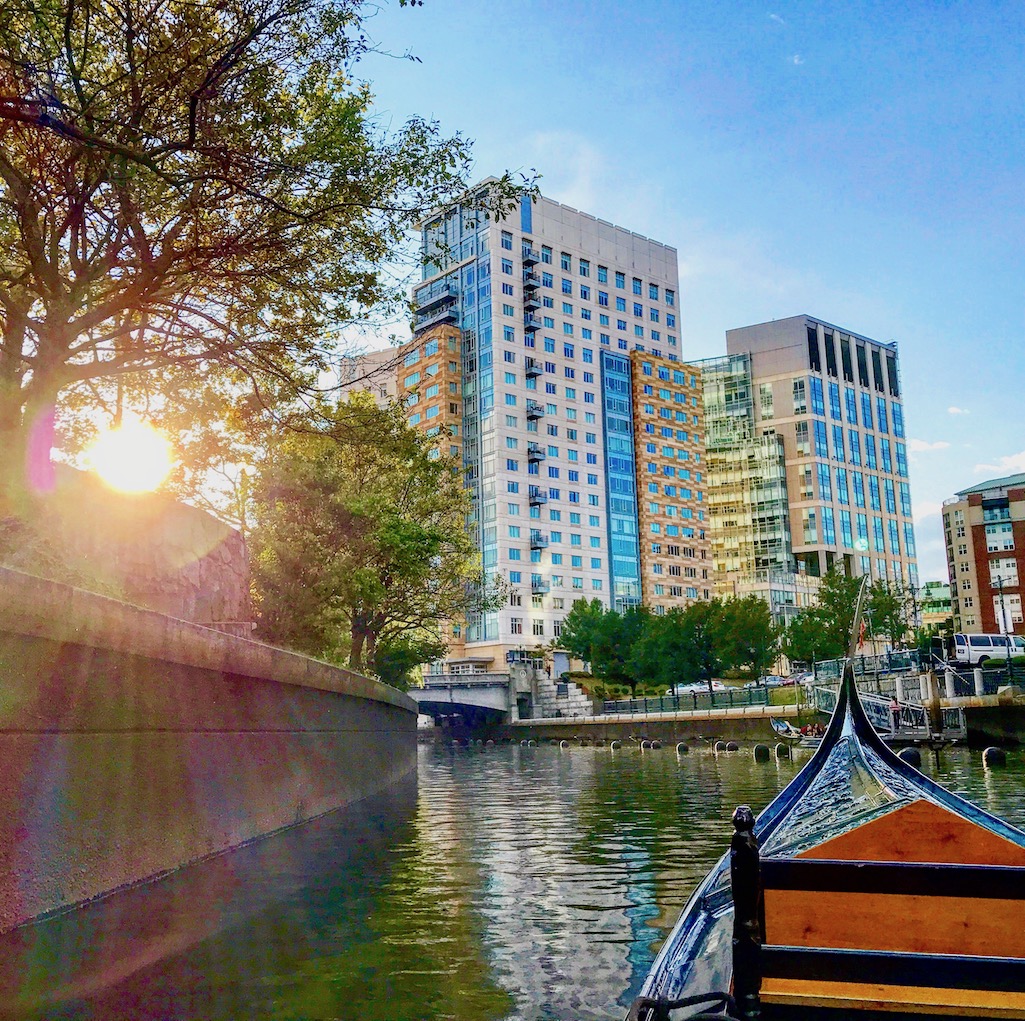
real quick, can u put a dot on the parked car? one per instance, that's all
(697, 687)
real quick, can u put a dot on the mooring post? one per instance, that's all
(746, 879)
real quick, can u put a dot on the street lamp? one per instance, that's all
(1005, 624)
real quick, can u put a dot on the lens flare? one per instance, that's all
(133, 458)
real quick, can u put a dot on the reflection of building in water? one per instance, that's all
(557, 922)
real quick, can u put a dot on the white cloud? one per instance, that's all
(797, 59)
(927, 509)
(920, 446)
(957, 411)
(777, 19)
(1010, 465)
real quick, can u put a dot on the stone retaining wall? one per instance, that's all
(132, 743)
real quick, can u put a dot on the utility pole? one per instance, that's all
(1005, 624)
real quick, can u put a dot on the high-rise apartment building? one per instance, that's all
(833, 399)
(984, 528)
(580, 431)
(747, 500)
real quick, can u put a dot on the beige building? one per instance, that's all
(834, 398)
(984, 529)
(375, 372)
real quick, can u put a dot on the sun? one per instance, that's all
(133, 458)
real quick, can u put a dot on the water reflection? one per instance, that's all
(518, 883)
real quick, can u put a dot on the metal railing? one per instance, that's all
(487, 680)
(909, 661)
(910, 720)
(993, 678)
(689, 701)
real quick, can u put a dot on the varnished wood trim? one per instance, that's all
(892, 922)
(921, 832)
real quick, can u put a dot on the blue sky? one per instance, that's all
(859, 162)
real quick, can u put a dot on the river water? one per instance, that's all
(511, 884)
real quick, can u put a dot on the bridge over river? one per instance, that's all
(472, 699)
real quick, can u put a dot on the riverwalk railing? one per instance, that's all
(879, 673)
(886, 663)
(993, 678)
(688, 701)
(907, 719)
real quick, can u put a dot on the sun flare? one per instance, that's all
(133, 458)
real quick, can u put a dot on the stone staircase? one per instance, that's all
(549, 703)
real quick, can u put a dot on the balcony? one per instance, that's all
(445, 314)
(531, 302)
(531, 257)
(538, 541)
(536, 496)
(531, 322)
(533, 369)
(530, 280)
(535, 410)
(535, 452)
(443, 295)
(538, 587)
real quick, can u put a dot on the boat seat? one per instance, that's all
(894, 936)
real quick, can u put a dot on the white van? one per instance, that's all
(977, 649)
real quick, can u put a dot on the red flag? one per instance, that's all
(861, 635)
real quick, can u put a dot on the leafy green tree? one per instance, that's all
(605, 638)
(676, 648)
(582, 629)
(195, 185)
(824, 631)
(396, 658)
(703, 622)
(745, 635)
(803, 640)
(620, 633)
(359, 544)
(886, 611)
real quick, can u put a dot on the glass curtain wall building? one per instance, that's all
(748, 504)
(550, 303)
(834, 398)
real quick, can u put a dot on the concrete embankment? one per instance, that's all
(992, 719)
(133, 743)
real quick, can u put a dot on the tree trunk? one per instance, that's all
(26, 440)
(356, 648)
